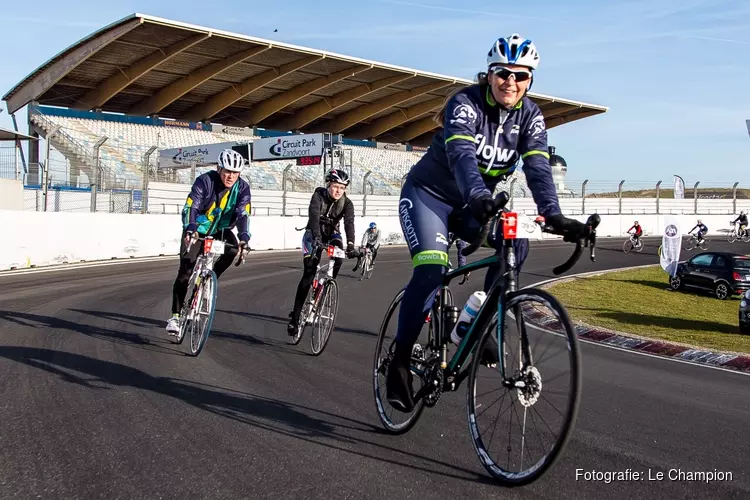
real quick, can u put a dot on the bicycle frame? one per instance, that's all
(333, 252)
(505, 282)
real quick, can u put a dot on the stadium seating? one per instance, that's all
(121, 156)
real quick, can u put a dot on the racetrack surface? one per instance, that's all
(95, 402)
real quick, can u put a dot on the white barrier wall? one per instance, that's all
(41, 239)
(11, 194)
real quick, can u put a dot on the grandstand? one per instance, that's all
(145, 83)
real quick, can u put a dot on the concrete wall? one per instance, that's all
(41, 239)
(11, 194)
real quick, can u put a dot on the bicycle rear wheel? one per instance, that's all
(539, 329)
(393, 420)
(204, 313)
(325, 317)
(304, 316)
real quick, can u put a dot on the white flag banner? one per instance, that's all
(679, 188)
(671, 243)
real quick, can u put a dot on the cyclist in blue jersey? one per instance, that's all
(702, 230)
(486, 128)
(218, 202)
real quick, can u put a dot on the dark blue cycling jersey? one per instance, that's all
(702, 228)
(480, 144)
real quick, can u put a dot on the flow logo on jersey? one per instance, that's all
(487, 152)
(441, 239)
(463, 114)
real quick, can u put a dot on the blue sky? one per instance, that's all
(674, 73)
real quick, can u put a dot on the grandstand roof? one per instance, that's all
(12, 135)
(145, 65)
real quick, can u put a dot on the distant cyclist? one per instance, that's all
(591, 224)
(742, 219)
(702, 230)
(637, 232)
(460, 245)
(486, 128)
(218, 201)
(328, 206)
(371, 241)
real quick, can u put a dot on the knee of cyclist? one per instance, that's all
(428, 275)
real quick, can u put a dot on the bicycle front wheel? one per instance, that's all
(732, 237)
(368, 272)
(325, 317)
(204, 314)
(627, 246)
(522, 413)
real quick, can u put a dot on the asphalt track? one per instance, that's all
(95, 402)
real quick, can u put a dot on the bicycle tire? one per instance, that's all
(538, 469)
(640, 246)
(368, 273)
(186, 306)
(213, 282)
(331, 290)
(627, 246)
(732, 237)
(746, 237)
(382, 368)
(302, 320)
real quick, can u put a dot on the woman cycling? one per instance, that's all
(487, 128)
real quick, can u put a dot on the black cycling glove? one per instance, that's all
(570, 229)
(482, 208)
(350, 253)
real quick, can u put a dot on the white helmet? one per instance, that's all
(513, 50)
(231, 160)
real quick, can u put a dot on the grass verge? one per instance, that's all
(637, 301)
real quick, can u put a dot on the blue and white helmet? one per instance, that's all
(513, 50)
(231, 160)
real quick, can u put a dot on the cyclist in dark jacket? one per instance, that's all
(328, 206)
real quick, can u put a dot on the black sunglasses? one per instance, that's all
(505, 73)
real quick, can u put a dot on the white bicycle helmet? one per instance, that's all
(231, 160)
(513, 50)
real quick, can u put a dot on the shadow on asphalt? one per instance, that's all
(141, 341)
(284, 321)
(296, 421)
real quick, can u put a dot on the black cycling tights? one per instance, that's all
(308, 275)
(187, 263)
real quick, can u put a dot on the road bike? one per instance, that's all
(522, 377)
(197, 313)
(321, 304)
(366, 261)
(692, 242)
(735, 233)
(632, 243)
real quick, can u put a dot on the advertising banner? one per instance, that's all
(287, 146)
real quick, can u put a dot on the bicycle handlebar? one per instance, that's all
(499, 203)
(240, 254)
